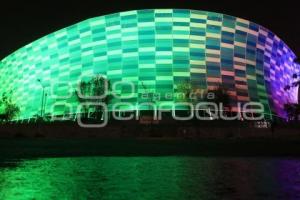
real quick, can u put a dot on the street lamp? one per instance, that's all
(43, 96)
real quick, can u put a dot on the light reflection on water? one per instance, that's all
(166, 177)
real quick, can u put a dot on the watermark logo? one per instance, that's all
(94, 109)
(99, 123)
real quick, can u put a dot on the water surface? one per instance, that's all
(146, 177)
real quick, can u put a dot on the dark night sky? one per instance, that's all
(25, 21)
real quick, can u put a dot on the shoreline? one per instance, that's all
(32, 148)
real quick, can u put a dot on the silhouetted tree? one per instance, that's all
(219, 95)
(100, 86)
(184, 90)
(9, 109)
(292, 111)
(95, 87)
(82, 86)
(295, 82)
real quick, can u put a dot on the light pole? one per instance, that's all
(43, 94)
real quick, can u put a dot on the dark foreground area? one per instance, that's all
(151, 177)
(19, 148)
(147, 168)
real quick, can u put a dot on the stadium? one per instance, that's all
(152, 51)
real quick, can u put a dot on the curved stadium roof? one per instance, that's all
(156, 49)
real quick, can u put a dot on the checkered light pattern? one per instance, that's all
(156, 50)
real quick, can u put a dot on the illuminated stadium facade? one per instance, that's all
(156, 50)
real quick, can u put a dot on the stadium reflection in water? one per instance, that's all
(151, 178)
